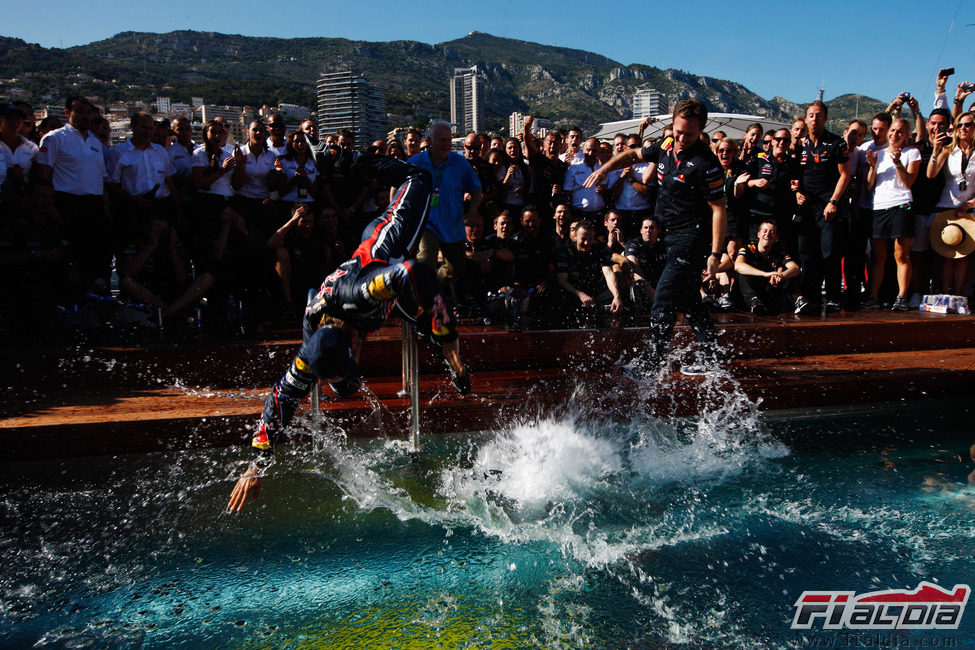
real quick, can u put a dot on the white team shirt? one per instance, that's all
(629, 198)
(255, 173)
(23, 156)
(585, 199)
(182, 160)
(221, 186)
(77, 162)
(139, 170)
(288, 168)
(278, 151)
(888, 191)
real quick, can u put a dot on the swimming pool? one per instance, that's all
(695, 532)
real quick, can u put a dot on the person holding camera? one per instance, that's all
(955, 162)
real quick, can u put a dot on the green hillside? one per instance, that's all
(563, 84)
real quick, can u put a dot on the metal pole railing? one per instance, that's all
(405, 390)
(316, 404)
(411, 383)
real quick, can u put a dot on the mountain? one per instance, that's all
(563, 84)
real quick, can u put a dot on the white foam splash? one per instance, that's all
(545, 460)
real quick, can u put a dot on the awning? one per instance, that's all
(734, 124)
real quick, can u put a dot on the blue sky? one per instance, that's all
(781, 48)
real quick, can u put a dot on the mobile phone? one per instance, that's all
(942, 129)
(946, 72)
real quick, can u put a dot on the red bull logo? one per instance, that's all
(261, 440)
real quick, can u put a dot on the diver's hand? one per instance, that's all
(248, 487)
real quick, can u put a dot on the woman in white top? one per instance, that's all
(297, 175)
(213, 218)
(959, 193)
(213, 162)
(252, 180)
(892, 172)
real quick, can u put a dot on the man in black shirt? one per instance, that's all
(766, 272)
(691, 208)
(647, 257)
(549, 171)
(484, 171)
(824, 175)
(585, 272)
(768, 188)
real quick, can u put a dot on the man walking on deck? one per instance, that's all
(355, 300)
(691, 209)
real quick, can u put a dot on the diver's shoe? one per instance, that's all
(461, 382)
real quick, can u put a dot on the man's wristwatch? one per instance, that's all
(716, 255)
(834, 201)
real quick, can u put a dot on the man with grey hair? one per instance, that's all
(453, 177)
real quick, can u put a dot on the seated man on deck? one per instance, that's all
(355, 300)
(585, 273)
(767, 274)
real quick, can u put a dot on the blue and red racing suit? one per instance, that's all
(362, 291)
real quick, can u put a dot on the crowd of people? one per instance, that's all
(161, 233)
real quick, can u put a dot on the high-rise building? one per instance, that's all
(163, 105)
(180, 108)
(516, 125)
(347, 101)
(467, 100)
(233, 118)
(648, 102)
(294, 112)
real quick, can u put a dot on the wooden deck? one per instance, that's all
(117, 400)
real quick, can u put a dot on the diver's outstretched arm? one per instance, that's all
(248, 488)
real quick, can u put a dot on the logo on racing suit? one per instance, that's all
(928, 607)
(261, 440)
(441, 317)
(378, 289)
(327, 288)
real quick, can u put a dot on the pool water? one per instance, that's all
(556, 530)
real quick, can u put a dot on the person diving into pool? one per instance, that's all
(355, 300)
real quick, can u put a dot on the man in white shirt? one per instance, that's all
(72, 160)
(277, 141)
(631, 187)
(142, 181)
(587, 202)
(17, 155)
(573, 146)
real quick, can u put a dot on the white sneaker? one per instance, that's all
(915, 301)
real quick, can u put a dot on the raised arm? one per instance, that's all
(620, 160)
(531, 143)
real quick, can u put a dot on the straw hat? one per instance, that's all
(953, 236)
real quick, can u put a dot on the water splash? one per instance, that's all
(566, 529)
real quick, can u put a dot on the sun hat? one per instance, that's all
(953, 236)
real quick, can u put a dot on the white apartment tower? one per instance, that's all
(467, 100)
(648, 102)
(347, 101)
(516, 125)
